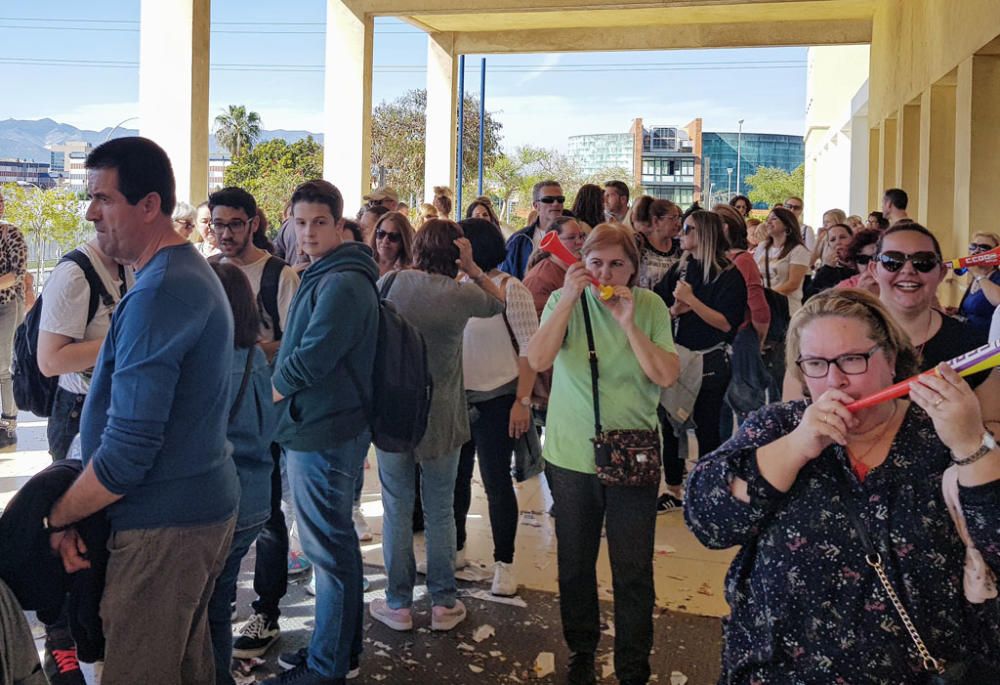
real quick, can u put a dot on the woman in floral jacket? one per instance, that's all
(806, 607)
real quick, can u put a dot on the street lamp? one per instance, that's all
(117, 126)
(739, 150)
(729, 183)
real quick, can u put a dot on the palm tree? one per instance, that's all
(237, 130)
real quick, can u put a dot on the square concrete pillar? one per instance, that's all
(874, 177)
(936, 184)
(860, 158)
(347, 109)
(173, 88)
(441, 137)
(908, 154)
(887, 157)
(977, 147)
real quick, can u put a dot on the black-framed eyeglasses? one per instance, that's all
(184, 223)
(980, 247)
(853, 364)
(863, 259)
(236, 226)
(924, 262)
(552, 199)
(382, 234)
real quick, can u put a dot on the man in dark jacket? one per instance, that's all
(332, 330)
(547, 198)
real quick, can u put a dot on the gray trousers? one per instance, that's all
(18, 658)
(10, 318)
(155, 604)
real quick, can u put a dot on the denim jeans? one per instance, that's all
(492, 442)
(629, 515)
(10, 318)
(220, 623)
(323, 491)
(270, 571)
(64, 423)
(437, 489)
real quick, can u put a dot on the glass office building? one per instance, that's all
(601, 151)
(756, 150)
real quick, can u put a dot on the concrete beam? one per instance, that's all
(173, 88)
(347, 106)
(402, 7)
(687, 36)
(442, 114)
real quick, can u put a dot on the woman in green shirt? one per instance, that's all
(636, 358)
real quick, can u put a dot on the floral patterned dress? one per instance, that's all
(805, 607)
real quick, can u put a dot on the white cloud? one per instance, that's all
(550, 60)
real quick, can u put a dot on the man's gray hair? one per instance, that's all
(536, 191)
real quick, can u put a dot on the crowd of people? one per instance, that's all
(220, 386)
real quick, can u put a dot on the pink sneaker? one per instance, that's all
(397, 619)
(445, 618)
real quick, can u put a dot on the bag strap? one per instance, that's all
(506, 321)
(767, 266)
(367, 402)
(592, 355)
(270, 281)
(243, 385)
(98, 293)
(874, 559)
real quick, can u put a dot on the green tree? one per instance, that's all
(45, 216)
(771, 186)
(237, 129)
(272, 170)
(398, 135)
(511, 177)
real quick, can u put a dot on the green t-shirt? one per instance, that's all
(628, 397)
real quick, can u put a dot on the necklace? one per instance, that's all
(885, 428)
(927, 334)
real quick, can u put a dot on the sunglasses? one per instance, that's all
(924, 262)
(381, 234)
(863, 259)
(980, 247)
(552, 199)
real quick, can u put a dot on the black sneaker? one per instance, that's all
(667, 503)
(301, 675)
(581, 669)
(61, 665)
(289, 660)
(256, 637)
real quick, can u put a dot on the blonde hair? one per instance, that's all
(839, 216)
(860, 305)
(442, 201)
(992, 236)
(427, 212)
(614, 235)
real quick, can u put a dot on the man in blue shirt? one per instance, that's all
(331, 333)
(153, 431)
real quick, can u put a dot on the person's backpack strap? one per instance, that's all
(215, 259)
(367, 402)
(98, 293)
(387, 285)
(269, 282)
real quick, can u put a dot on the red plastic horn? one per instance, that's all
(991, 258)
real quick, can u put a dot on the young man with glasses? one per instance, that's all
(548, 200)
(233, 222)
(795, 206)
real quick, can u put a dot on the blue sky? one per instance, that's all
(82, 70)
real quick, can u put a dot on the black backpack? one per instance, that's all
(267, 297)
(33, 390)
(401, 381)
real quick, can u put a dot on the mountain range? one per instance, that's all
(26, 138)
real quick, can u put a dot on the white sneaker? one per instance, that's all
(460, 563)
(360, 524)
(311, 586)
(504, 581)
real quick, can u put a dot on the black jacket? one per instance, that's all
(36, 575)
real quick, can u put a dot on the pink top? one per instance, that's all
(851, 282)
(757, 310)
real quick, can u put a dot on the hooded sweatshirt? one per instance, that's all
(332, 323)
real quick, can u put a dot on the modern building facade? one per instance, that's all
(25, 172)
(729, 158)
(597, 152)
(68, 163)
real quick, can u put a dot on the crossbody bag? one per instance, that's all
(628, 457)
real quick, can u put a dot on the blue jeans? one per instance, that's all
(437, 490)
(220, 622)
(322, 486)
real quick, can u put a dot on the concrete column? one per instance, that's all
(908, 155)
(887, 157)
(936, 184)
(874, 177)
(347, 128)
(173, 87)
(977, 148)
(442, 114)
(860, 156)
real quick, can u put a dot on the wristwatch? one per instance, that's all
(989, 443)
(49, 529)
(525, 401)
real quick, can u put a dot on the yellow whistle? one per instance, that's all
(607, 292)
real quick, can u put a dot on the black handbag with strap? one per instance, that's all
(628, 457)
(974, 671)
(777, 303)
